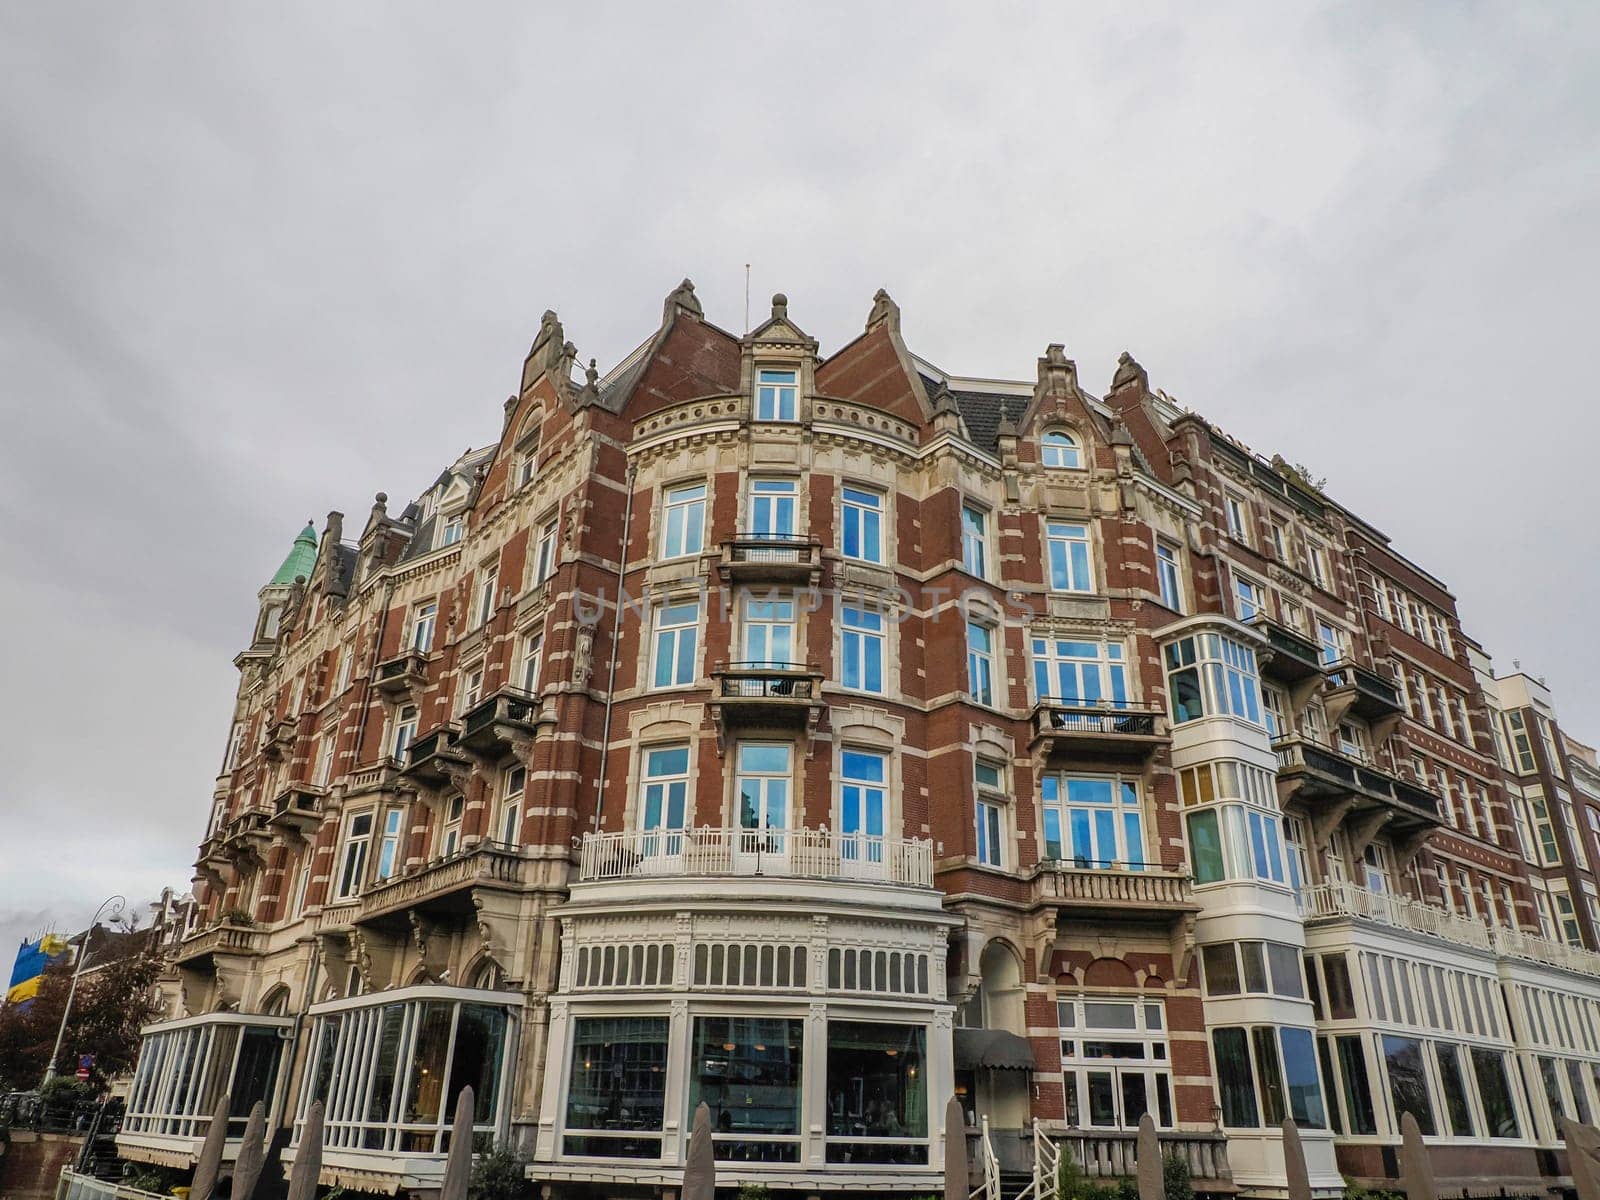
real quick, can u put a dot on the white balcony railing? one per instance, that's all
(787, 853)
(1400, 912)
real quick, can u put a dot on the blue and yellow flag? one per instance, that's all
(32, 959)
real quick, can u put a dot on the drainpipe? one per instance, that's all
(616, 641)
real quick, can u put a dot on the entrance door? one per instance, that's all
(764, 783)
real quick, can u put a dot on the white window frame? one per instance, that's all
(975, 540)
(1128, 856)
(1249, 597)
(981, 663)
(487, 592)
(1059, 450)
(544, 562)
(777, 395)
(452, 530)
(403, 731)
(354, 850)
(1236, 509)
(1073, 575)
(424, 621)
(768, 623)
(668, 639)
(1169, 576)
(863, 512)
(991, 813)
(772, 508)
(863, 643)
(683, 520)
(1153, 1065)
(452, 816)
(531, 661)
(513, 791)
(389, 836)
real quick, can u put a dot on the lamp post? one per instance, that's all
(116, 905)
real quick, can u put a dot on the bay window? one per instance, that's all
(1266, 1073)
(1093, 821)
(1209, 674)
(1408, 1080)
(1234, 827)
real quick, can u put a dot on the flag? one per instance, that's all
(32, 959)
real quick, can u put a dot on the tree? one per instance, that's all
(113, 1002)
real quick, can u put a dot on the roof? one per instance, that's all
(982, 411)
(302, 557)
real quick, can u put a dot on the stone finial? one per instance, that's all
(1129, 372)
(884, 312)
(780, 307)
(380, 504)
(546, 349)
(1121, 435)
(943, 401)
(1007, 428)
(1058, 374)
(681, 297)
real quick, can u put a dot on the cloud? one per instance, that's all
(261, 263)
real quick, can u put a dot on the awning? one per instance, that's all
(994, 1049)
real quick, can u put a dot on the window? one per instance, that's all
(683, 521)
(616, 1094)
(347, 659)
(235, 744)
(1522, 743)
(1093, 821)
(1408, 1080)
(1236, 829)
(877, 1086)
(1079, 673)
(1209, 674)
(389, 844)
(1060, 449)
(527, 468)
(302, 883)
(532, 656)
(862, 513)
(980, 662)
(472, 689)
(769, 627)
(1277, 540)
(1332, 643)
(1549, 850)
(1284, 1078)
(423, 618)
(1234, 1080)
(747, 1071)
(777, 394)
(1494, 1092)
(1567, 918)
(989, 783)
(1274, 709)
(861, 645)
(324, 768)
(353, 858)
(1168, 578)
(1453, 1083)
(544, 562)
(975, 541)
(1250, 597)
(1270, 969)
(1114, 1060)
(663, 801)
(1238, 525)
(516, 784)
(405, 731)
(450, 831)
(1352, 741)
(488, 583)
(677, 628)
(863, 803)
(1067, 552)
(450, 534)
(763, 784)
(1317, 564)
(1300, 1079)
(773, 507)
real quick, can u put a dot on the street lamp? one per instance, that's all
(116, 905)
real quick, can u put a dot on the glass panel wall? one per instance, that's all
(186, 1067)
(877, 1093)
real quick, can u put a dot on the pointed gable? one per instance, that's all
(687, 358)
(877, 370)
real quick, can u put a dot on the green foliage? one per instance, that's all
(1176, 1182)
(753, 1191)
(147, 1177)
(239, 916)
(1354, 1191)
(498, 1175)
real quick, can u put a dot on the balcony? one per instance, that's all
(1319, 776)
(783, 853)
(794, 558)
(1331, 902)
(403, 675)
(443, 887)
(1112, 1154)
(1353, 689)
(766, 694)
(280, 740)
(1121, 891)
(225, 938)
(432, 760)
(247, 835)
(1292, 656)
(297, 810)
(1109, 732)
(498, 723)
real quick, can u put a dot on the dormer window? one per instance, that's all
(777, 395)
(1060, 449)
(451, 533)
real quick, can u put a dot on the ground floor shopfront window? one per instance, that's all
(389, 1066)
(765, 1080)
(186, 1066)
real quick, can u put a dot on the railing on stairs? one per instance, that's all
(1046, 1168)
(989, 1166)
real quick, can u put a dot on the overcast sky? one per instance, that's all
(259, 262)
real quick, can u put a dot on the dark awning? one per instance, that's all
(994, 1049)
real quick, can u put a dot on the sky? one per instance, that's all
(260, 262)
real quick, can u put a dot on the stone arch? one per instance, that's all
(1003, 998)
(1109, 973)
(276, 1002)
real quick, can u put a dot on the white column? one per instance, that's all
(814, 1098)
(673, 1118)
(558, 1068)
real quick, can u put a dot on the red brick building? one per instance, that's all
(822, 737)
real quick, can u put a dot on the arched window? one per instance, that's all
(277, 1002)
(487, 975)
(1060, 449)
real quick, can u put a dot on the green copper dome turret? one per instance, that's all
(302, 557)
